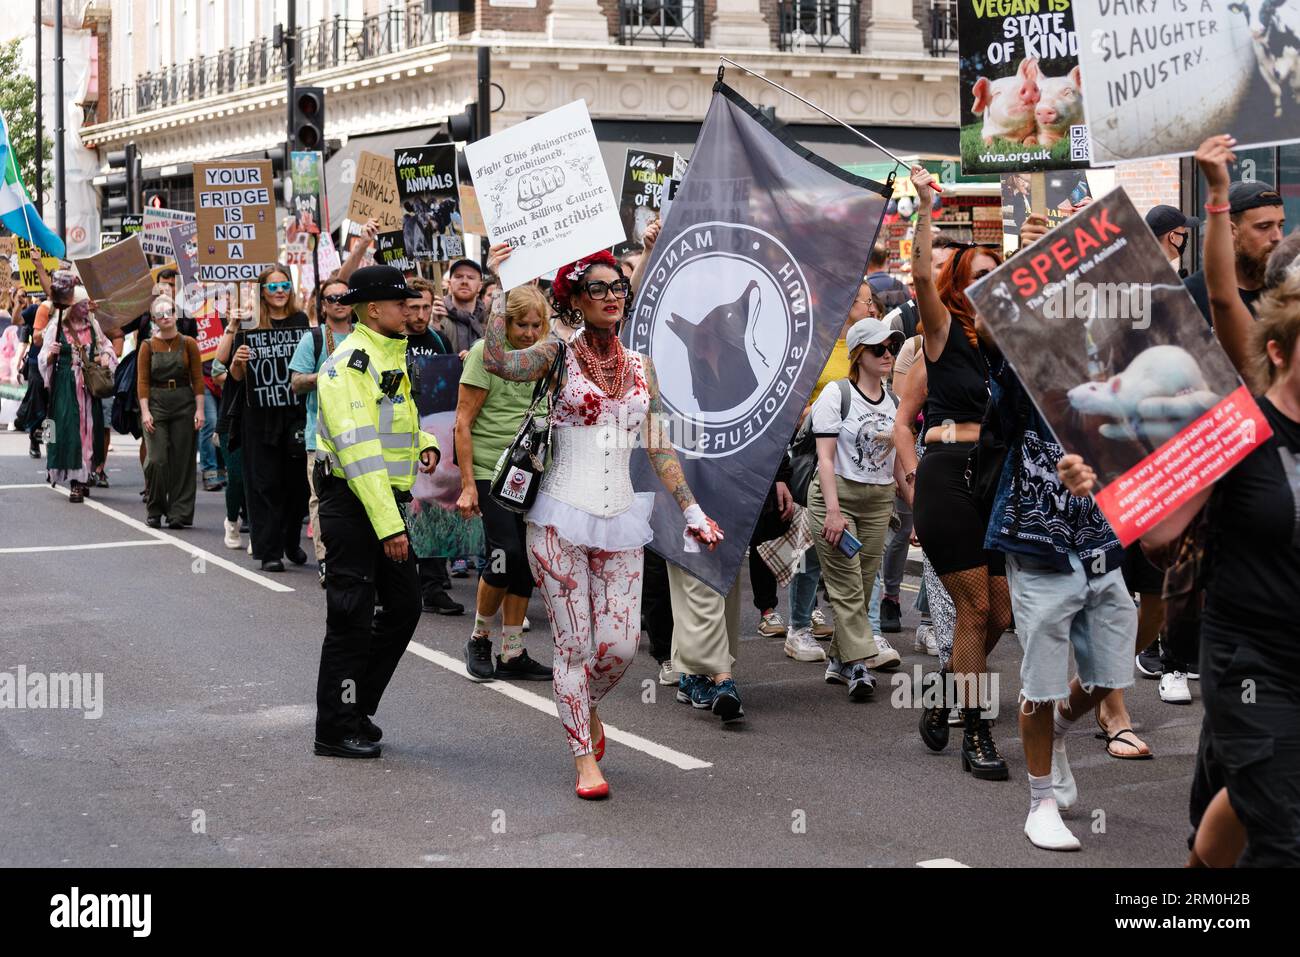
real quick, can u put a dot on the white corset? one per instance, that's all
(590, 469)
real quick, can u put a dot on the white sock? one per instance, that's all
(483, 627)
(512, 642)
(1060, 723)
(1040, 789)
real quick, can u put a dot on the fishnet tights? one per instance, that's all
(983, 614)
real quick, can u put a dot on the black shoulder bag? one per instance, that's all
(519, 472)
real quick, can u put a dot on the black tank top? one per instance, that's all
(958, 389)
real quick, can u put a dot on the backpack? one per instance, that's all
(803, 449)
(126, 402)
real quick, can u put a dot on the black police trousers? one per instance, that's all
(362, 648)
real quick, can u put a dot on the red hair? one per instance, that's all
(563, 288)
(954, 277)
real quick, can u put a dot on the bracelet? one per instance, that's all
(1225, 208)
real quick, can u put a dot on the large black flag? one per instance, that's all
(747, 289)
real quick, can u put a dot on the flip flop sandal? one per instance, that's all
(1119, 736)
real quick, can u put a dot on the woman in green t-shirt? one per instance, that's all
(488, 412)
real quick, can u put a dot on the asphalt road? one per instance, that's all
(202, 754)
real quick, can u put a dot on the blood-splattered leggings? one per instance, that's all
(593, 599)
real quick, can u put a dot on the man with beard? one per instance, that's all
(1258, 222)
(460, 316)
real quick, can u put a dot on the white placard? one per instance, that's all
(542, 188)
(155, 231)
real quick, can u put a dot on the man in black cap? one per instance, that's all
(1172, 230)
(368, 447)
(460, 316)
(1258, 221)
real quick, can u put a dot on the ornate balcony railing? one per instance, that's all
(321, 46)
(821, 25)
(661, 21)
(943, 27)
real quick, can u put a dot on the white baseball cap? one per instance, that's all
(869, 331)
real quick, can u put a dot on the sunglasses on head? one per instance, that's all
(277, 286)
(598, 289)
(880, 348)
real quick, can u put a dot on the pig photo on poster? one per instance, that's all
(1161, 77)
(1119, 362)
(1021, 102)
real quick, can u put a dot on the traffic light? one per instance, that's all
(464, 128)
(123, 183)
(307, 128)
(155, 199)
(276, 155)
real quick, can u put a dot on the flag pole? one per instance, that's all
(13, 164)
(813, 106)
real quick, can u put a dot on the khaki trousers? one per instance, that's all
(706, 626)
(313, 510)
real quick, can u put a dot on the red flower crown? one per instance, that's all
(568, 277)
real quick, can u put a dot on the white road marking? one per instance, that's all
(192, 550)
(77, 548)
(547, 707)
(942, 862)
(31, 485)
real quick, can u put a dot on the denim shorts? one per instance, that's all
(1055, 610)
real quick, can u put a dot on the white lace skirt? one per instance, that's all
(615, 533)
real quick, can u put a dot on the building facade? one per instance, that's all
(192, 80)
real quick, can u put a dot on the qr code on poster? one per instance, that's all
(1079, 149)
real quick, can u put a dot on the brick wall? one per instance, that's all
(516, 19)
(1151, 183)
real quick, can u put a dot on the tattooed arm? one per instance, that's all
(664, 460)
(934, 314)
(519, 365)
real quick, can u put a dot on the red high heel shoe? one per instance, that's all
(598, 751)
(597, 793)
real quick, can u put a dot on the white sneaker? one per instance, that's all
(821, 628)
(801, 646)
(1045, 829)
(1174, 690)
(885, 658)
(1063, 786)
(528, 626)
(250, 547)
(232, 533)
(926, 640)
(666, 674)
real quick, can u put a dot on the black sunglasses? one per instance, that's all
(336, 298)
(880, 348)
(598, 289)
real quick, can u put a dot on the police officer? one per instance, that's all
(368, 447)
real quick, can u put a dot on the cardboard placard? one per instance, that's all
(155, 231)
(428, 190)
(543, 188)
(1120, 363)
(120, 282)
(27, 269)
(1021, 106)
(471, 216)
(236, 220)
(374, 194)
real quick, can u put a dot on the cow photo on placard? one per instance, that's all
(429, 193)
(1021, 88)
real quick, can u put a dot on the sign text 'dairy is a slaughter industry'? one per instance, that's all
(236, 217)
(1021, 99)
(1120, 364)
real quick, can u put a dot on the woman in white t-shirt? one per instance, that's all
(853, 492)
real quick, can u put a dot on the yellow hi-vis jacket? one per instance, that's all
(373, 440)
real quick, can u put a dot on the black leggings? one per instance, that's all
(504, 538)
(949, 522)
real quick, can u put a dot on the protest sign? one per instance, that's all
(27, 269)
(297, 249)
(1120, 363)
(390, 250)
(327, 254)
(109, 239)
(119, 280)
(374, 194)
(185, 251)
(132, 223)
(8, 246)
(739, 309)
(236, 220)
(1021, 108)
(544, 190)
(1056, 196)
(268, 367)
(304, 198)
(1163, 75)
(471, 216)
(430, 198)
(210, 326)
(671, 185)
(644, 174)
(433, 521)
(155, 231)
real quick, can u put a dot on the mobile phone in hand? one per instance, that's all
(849, 545)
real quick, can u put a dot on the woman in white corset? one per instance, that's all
(587, 529)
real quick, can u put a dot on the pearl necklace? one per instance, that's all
(611, 384)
